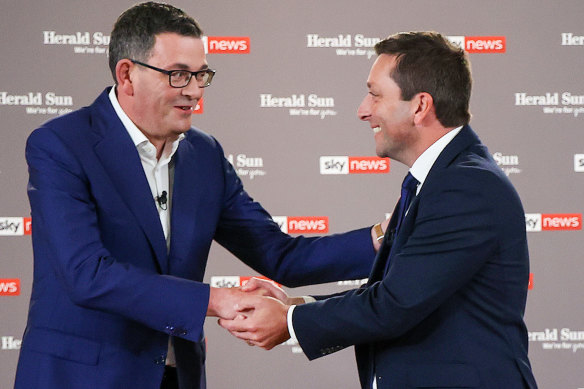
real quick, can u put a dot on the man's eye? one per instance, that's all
(180, 75)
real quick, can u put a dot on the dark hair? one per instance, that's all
(428, 62)
(135, 30)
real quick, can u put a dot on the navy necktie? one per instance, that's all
(408, 192)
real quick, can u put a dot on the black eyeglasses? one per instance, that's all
(181, 78)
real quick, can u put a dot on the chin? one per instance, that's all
(184, 126)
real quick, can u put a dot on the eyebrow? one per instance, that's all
(183, 66)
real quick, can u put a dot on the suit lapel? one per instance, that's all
(120, 159)
(465, 138)
(186, 197)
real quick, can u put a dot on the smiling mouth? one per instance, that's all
(376, 129)
(185, 108)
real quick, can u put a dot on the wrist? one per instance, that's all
(295, 301)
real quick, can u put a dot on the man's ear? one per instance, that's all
(123, 76)
(424, 106)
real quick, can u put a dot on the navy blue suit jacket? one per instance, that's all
(107, 293)
(445, 300)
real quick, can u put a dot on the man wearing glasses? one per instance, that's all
(126, 198)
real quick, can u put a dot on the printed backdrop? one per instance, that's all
(290, 76)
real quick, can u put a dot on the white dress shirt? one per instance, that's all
(156, 170)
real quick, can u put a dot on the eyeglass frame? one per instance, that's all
(210, 72)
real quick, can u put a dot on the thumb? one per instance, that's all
(250, 285)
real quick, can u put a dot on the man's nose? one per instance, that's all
(193, 90)
(364, 111)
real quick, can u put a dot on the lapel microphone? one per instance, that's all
(162, 201)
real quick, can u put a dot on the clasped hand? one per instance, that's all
(259, 314)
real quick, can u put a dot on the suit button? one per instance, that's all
(160, 360)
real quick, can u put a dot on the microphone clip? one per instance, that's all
(162, 201)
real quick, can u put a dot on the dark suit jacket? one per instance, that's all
(445, 308)
(107, 294)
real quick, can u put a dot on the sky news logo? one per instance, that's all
(199, 108)
(235, 281)
(9, 287)
(303, 224)
(226, 44)
(353, 165)
(480, 44)
(15, 226)
(536, 222)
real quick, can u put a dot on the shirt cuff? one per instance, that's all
(307, 299)
(289, 321)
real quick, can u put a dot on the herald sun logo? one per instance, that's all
(15, 226)
(11, 343)
(536, 222)
(235, 281)
(226, 44)
(9, 287)
(303, 224)
(480, 44)
(353, 165)
(569, 39)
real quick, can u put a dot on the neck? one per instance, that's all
(429, 137)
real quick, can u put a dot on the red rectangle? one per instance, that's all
(27, 224)
(9, 287)
(199, 108)
(368, 165)
(308, 224)
(485, 44)
(561, 221)
(530, 284)
(243, 280)
(228, 44)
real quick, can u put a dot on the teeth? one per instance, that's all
(376, 129)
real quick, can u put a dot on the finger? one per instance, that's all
(233, 325)
(243, 335)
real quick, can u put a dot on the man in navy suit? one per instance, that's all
(444, 303)
(126, 198)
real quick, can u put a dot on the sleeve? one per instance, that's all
(247, 230)
(453, 236)
(67, 243)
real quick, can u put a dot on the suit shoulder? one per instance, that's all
(475, 171)
(198, 137)
(65, 125)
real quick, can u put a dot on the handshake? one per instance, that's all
(256, 312)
